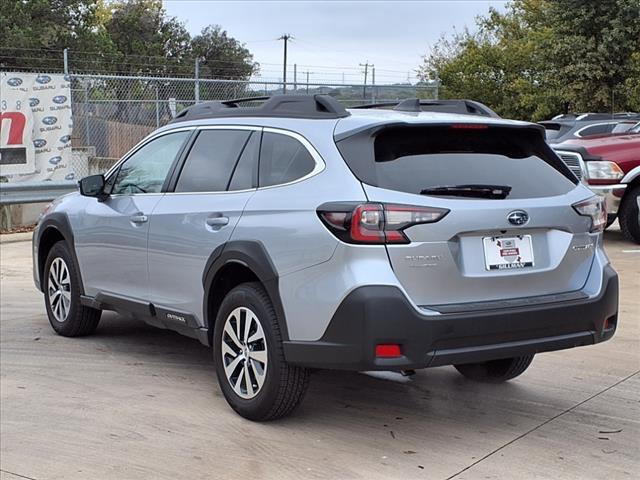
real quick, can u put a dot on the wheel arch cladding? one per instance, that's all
(54, 228)
(230, 265)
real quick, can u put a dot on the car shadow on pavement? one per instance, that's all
(385, 398)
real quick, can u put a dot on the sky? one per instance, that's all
(331, 38)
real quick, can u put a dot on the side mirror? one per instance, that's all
(93, 186)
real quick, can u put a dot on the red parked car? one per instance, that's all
(610, 165)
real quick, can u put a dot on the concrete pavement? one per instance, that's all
(134, 402)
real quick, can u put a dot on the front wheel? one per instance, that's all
(496, 371)
(253, 375)
(67, 315)
(629, 215)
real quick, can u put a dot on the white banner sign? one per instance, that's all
(35, 127)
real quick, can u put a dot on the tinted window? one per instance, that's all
(211, 160)
(245, 174)
(596, 129)
(283, 159)
(418, 158)
(146, 170)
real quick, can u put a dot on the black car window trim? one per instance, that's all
(317, 168)
(112, 173)
(180, 165)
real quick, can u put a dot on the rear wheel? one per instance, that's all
(496, 371)
(253, 375)
(67, 315)
(628, 215)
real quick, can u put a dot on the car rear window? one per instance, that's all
(412, 159)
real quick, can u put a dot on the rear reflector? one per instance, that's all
(388, 350)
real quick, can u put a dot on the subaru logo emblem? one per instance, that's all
(70, 176)
(55, 160)
(65, 139)
(59, 99)
(39, 143)
(33, 102)
(14, 82)
(518, 217)
(42, 79)
(49, 120)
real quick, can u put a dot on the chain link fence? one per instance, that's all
(112, 113)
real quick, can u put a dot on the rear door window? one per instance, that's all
(414, 159)
(283, 159)
(211, 160)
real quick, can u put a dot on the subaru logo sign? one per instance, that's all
(14, 82)
(518, 217)
(55, 160)
(42, 79)
(49, 120)
(39, 143)
(65, 139)
(70, 176)
(33, 102)
(59, 99)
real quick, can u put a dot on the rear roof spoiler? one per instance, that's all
(464, 107)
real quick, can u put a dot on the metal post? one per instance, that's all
(307, 81)
(197, 82)
(65, 55)
(87, 136)
(157, 107)
(295, 76)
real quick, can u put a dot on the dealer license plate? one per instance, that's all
(507, 253)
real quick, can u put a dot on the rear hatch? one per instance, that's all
(510, 232)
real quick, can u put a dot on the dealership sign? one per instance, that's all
(35, 127)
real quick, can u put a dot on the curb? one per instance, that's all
(15, 237)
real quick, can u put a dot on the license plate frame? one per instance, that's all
(508, 252)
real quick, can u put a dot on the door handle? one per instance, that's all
(217, 221)
(138, 218)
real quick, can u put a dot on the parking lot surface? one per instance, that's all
(135, 402)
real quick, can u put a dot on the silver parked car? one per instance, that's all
(300, 235)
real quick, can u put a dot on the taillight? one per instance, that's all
(375, 223)
(595, 209)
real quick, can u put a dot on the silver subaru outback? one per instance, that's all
(298, 234)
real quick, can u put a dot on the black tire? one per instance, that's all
(628, 215)
(610, 220)
(284, 385)
(496, 371)
(80, 320)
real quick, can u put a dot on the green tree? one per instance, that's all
(31, 29)
(146, 40)
(543, 57)
(222, 56)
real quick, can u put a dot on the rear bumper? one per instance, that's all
(372, 315)
(612, 195)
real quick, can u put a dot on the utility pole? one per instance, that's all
(286, 37)
(373, 83)
(295, 76)
(366, 71)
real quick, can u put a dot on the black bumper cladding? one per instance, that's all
(374, 315)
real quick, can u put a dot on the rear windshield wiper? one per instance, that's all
(497, 192)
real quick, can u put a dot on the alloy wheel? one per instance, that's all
(244, 352)
(59, 289)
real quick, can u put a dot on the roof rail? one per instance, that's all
(465, 107)
(292, 106)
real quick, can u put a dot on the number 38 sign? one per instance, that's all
(35, 126)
